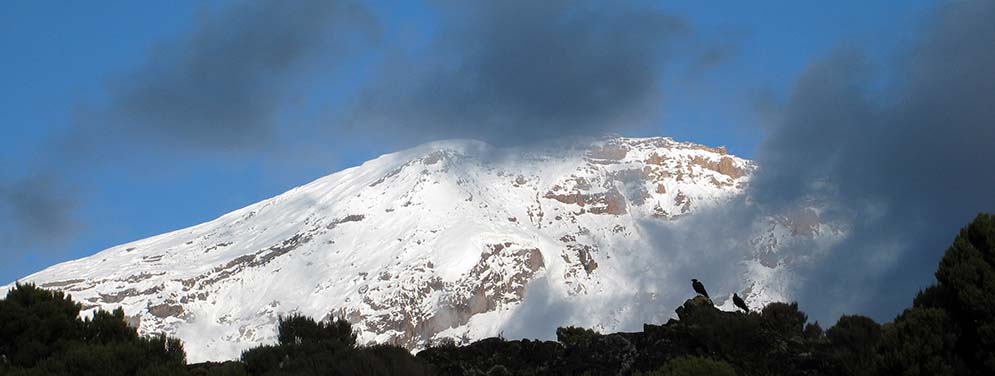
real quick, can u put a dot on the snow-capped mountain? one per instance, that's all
(449, 239)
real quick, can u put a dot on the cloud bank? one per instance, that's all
(222, 85)
(217, 88)
(517, 71)
(904, 158)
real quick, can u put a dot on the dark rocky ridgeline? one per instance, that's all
(773, 341)
(949, 330)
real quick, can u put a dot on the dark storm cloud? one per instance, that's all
(512, 71)
(218, 86)
(36, 213)
(221, 85)
(906, 159)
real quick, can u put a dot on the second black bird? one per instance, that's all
(699, 288)
(739, 302)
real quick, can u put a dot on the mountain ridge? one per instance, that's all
(444, 240)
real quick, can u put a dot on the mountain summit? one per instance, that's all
(450, 239)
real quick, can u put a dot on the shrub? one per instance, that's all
(784, 319)
(306, 347)
(297, 329)
(693, 366)
(854, 341)
(574, 337)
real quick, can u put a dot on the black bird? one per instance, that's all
(699, 288)
(739, 302)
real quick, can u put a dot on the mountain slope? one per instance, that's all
(448, 239)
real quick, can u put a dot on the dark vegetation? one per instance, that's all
(949, 330)
(41, 334)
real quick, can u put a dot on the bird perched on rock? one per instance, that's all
(739, 302)
(699, 288)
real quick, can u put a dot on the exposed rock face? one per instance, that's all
(725, 166)
(445, 240)
(610, 202)
(695, 308)
(611, 151)
(728, 167)
(348, 218)
(166, 310)
(497, 281)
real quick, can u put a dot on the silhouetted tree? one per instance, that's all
(966, 277)
(854, 341)
(813, 332)
(41, 333)
(297, 329)
(921, 341)
(32, 320)
(307, 347)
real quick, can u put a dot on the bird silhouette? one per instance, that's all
(739, 302)
(699, 288)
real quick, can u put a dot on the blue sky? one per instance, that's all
(63, 58)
